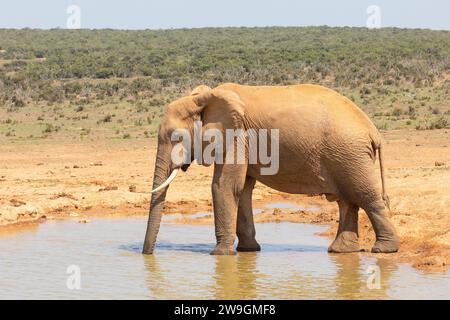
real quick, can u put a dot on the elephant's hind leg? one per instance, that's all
(347, 235)
(245, 226)
(386, 237)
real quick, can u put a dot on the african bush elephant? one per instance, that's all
(327, 145)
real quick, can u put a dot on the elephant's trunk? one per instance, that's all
(162, 171)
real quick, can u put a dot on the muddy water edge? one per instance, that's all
(294, 264)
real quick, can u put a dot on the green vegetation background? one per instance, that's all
(88, 84)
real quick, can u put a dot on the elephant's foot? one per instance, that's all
(386, 246)
(221, 250)
(248, 246)
(345, 242)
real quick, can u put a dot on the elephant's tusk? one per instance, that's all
(167, 182)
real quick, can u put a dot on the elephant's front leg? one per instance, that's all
(245, 225)
(228, 184)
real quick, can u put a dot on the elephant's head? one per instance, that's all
(216, 108)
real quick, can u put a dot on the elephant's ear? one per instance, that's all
(199, 90)
(219, 105)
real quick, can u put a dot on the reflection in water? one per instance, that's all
(293, 264)
(236, 276)
(349, 278)
(17, 230)
(358, 278)
(155, 276)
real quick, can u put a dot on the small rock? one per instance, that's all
(63, 195)
(439, 164)
(276, 211)
(17, 203)
(75, 166)
(96, 164)
(108, 188)
(83, 221)
(132, 188)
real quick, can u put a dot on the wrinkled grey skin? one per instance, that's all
(327, 145)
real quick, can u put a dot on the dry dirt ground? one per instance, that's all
(52, 180)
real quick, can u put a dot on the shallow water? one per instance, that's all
(293, 264)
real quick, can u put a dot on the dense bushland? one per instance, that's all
(400, 77)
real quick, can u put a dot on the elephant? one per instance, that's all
(327, 146)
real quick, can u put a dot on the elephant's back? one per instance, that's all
(305, 105)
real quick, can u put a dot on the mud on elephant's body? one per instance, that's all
(327, 145)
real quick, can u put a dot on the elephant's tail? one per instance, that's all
(383, 185)
(377, 144)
